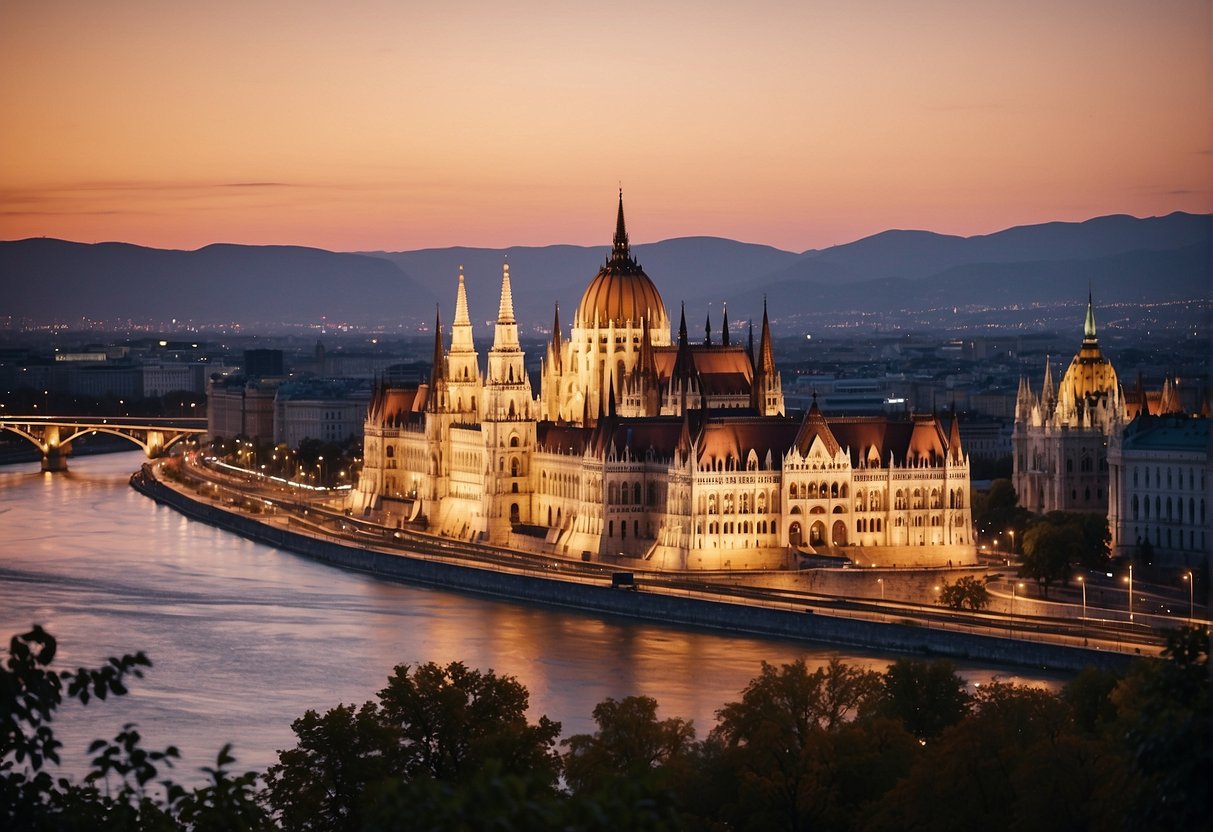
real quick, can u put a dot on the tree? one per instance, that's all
(318, 785)
(997, 510)
(1163, 718)
(967, 593)
(1093, 535)
(778, 741)
(926, 696)
(115, 793)
(630, 743)
(1048, 549)
(432, 723)
(447, 721)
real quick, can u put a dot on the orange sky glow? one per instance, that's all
(398, 125)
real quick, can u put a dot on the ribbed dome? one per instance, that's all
(1090, 373)
(621, 296)
(621, 292)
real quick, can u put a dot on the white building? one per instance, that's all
(1159, 491)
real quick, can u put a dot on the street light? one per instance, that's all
(1013, 588)
(1188, 578)
(1130, 582)
(1083, 583)
(1011, 532)
(881, 582)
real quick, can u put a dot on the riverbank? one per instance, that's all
(699, 608)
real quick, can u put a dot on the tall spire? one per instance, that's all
(767, 359)
(556, 346)
(750, 347)
(684, 364)
(724, 328)
(461, 303)
(620, 250)
(707, 330)
(505, 313)
(437, 369)
(1088, 327)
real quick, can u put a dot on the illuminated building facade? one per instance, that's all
(644, 450)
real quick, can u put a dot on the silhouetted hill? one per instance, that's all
(542, 276)
(255, 286)
(1131, 277)
(918, 254)
(1124, 259)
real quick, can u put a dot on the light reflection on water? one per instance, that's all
(245, 638)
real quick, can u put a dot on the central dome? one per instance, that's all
(1090, 373)
(621, 293)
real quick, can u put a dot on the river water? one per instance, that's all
(244, 638)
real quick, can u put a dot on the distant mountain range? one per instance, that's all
(1124, 259)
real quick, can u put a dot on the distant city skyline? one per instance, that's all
(394, 125)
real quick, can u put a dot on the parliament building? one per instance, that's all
(649, 450)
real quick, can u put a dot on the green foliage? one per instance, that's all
(630, 743)
(318, 785)
(779, 741)
(433, 723)
(997, 510)
(1164, 717)
(1093, 537)
(1048, 549)
(925, 696)
(839, 748)
(967, 593)
(115, 794)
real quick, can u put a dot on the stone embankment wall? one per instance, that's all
(652, 605)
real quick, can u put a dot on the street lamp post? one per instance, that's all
(1082, 582)
(881, 582)
(1191, 605)
(1130, 580)
(1011, 532)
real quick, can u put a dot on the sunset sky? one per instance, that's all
(398, 125)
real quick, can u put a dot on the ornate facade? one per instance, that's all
(1060, 439)
(643, 450)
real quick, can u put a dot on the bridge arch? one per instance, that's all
(53, 438)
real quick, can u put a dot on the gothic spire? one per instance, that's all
(556, 345)
(461, 303)
(767, 360)
(750, 347)
(621, 250)
(707, 330)
(505, 313)
(1088, 327)
(438, 369)
(724, 328)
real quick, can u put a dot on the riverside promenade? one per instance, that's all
(722, 603)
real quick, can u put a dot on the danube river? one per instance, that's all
(245, 638)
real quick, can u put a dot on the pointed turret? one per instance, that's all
(750, 346)
(1088, 327)
(767, 358)
(438, 368)
(1169, 401)
(461, 303)
(505, 358)
(684, 364)
(954, 448)
(620, 249)
(1047, 393)
(556, 347)
(724, 329)
(505, 311)
(707, 331)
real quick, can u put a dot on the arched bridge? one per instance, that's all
(54, 434)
